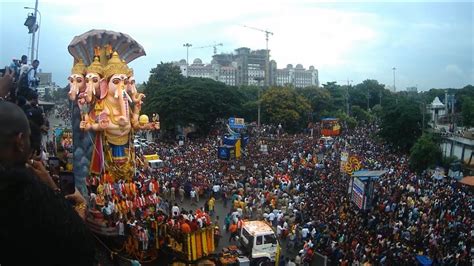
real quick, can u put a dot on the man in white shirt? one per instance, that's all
(216, 188)
(175, 210)
(193, 196)
(271, 217)
(305, 233)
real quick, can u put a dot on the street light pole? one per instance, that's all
(347, 96)
(394, 88)
(267, 64)
(187, 45)
(33, 36)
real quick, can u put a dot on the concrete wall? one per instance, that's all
(458, 146)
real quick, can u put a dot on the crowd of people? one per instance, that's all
(297, 186)
(37, 218)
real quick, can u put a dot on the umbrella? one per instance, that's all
(468, 180)
(82, 46)
(424, 260)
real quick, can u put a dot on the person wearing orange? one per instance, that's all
(185, 228)
(233, 231)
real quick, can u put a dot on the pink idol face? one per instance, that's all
(92, 78)
(76, 79)
(117, 79)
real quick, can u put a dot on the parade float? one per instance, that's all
(330, 127)
(123, 196)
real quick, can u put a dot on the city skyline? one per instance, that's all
(430, 44)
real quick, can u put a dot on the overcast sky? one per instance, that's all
(431, 44)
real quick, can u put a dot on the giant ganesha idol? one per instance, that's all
(117, 120)
(106, 102)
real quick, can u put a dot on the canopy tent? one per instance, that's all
(468, 180)
(364, 175)
(424, 260)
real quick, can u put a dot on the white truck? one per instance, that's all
(259, 243)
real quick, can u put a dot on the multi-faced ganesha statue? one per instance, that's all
(107, 89)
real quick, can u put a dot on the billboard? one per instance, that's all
(225, 152)
(358, 193)
(235, 122)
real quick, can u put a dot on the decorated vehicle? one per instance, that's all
(330, 127)
(105, 118)
(259, 243)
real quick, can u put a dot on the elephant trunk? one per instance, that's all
(123, 101)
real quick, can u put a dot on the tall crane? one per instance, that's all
(214, 46)
(267, 59)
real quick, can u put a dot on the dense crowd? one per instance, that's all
(299, 188)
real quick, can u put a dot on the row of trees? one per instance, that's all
(201, 102)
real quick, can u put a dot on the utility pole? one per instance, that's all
(347, 95)
(39, 31)
(187, 45)
(33, 34)
(394, 88)
(267, 58)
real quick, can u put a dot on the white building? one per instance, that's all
(299, 77)
(247, 67)
(225, 74)
(437, 110)
(255, 73)
(228, 75)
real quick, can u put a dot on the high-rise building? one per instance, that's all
(247, 67)
(45, 78)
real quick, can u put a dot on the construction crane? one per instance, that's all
(267, 59)
(214, 46)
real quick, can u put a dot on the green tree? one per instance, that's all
(401, 123)
(466, 93)
(348, 120)
(285, 106)
(368, 94)
(338, 96)
(249, 100)
(468, 111)
(319, 98)
(360, 114)
(163, 76)
(377, 110)
(424, 153)
(199, 102)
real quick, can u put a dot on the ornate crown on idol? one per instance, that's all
(116, 66)
(78, 68)
(96, 67)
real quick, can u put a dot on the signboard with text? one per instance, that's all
(235, 122)
(358, 193)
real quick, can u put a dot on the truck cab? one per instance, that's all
(259, 242)
(153, 161)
